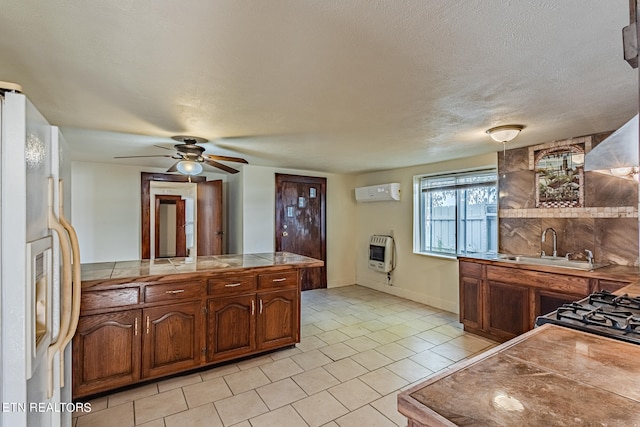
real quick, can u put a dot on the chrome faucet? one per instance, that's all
(589, 256)
(555, 240)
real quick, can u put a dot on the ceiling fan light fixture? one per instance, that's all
(187, 167)
(504, 133)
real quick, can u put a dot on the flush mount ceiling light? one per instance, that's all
(187, 167)
(504, 133)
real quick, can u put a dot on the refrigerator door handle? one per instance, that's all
(65, 303)
(77, 281)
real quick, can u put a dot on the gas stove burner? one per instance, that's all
(606, 297)
(598, 317)
(602, 313)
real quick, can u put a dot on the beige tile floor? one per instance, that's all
(359, 348)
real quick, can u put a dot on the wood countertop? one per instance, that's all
(113, 273)
(550, 375)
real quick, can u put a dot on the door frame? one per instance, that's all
(145, 202)
(181, 237)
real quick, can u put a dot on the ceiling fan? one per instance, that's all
(190, 155)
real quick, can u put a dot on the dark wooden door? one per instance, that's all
(231, 326)
(180, 234)
(210, 218)
(172, 338)
(106, 352)
(277, 318)
(301, 223)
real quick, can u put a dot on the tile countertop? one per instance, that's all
(550, 375)
(137, 269)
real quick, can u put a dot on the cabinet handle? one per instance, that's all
(176, 291)
(260, 305)
(253, 307)
(135, 327)
(148, 325)
(282, 279)
(232, 285)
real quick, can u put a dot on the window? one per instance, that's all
(456, 214)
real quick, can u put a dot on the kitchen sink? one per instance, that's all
(551, 260)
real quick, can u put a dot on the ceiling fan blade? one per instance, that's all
(174, 167)
(164, 148)
(220, 166)
(133, 157)
(227, 158)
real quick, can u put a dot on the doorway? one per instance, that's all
(208, 225)
(170, 224)
(301, 222)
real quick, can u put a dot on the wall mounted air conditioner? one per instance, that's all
(379, 193)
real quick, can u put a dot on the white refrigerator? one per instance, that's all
(39, 268)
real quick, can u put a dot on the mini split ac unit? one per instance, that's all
(378, 193)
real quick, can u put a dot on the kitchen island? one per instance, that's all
(145, 319)
(550, 375)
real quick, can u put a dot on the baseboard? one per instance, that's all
(414, 296)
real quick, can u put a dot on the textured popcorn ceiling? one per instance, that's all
(327, 85)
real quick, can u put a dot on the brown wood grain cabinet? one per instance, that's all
(172, 339)
(106, 351)
(277, 319)
(231, 326)
(502, 302)
(506, 309)
(471, 301)
(165, 327)
(609, 285)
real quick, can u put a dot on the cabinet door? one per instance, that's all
(506, 309)
(231, 326)
(106, 352)
(471, 302)
(277, 321)
(546, 302)
(172, 338)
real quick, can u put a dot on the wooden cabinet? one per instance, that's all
(277, 318)
(231, 326)
(471, 295)
(255, 320)
(506, 310)
(106, 351)
(173, 338)
(609, 285)
(135, 332)
(502, 302)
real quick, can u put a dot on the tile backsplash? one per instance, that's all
(607, 224)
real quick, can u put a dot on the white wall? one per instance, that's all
(426, 279)
(105, 201)
(106, 213)
(256, 208)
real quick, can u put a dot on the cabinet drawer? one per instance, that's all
(610, 285)
(232, 285)
(172, 291)
(278, 280)
(537, 279)
(111, 298)
(470, 269)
